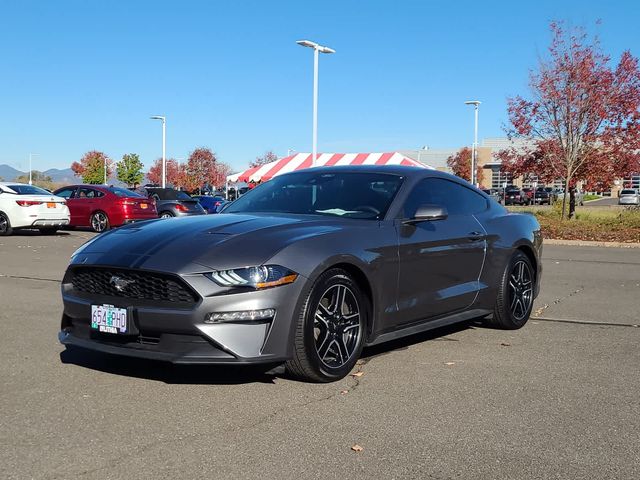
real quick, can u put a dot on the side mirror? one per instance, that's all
(428, 213)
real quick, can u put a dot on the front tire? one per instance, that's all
(5, 225)
(330, 329)
(100, 222)
(515, 295)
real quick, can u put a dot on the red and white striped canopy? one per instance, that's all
(301, 161)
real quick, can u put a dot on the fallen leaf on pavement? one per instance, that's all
(449, 363)
(344, 392)
(505, 344)
(357, 374)
(357, 448)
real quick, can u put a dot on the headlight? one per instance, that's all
(264, 276)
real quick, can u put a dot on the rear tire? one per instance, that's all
(515, 295)
(166, 214)
(5, 225)
(330, 329)
(100, 222)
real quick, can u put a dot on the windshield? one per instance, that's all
(349, 194)
(123, 192)
(28, 190)
(628, 192)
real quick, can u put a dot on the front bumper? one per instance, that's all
(179, 335)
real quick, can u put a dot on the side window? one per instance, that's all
(456, 198)
(66, 193)
(85, 193)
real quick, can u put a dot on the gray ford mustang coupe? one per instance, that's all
(305, 270)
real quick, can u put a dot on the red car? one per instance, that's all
(101, 207)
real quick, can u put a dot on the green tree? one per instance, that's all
(91, 167)
(129, 169)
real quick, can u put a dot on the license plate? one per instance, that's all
(51, 205)
(144, 206)
(108, 319)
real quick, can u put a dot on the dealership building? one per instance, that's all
(491, 176)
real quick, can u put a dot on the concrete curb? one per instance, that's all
(589, 243)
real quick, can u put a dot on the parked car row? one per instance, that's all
(98, 207)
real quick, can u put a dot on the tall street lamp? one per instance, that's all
(474, 150)
(317, 49)
(164, 147)
(30, 159)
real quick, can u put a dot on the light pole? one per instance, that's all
(164, 148)
(317, 49)
(105, 169)
(474, 150)
(30, 158)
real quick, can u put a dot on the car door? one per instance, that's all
(85, 201)
(69, 194)
(440, 261)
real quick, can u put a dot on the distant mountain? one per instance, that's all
(61, 176)
(57, 175)
(9, 173)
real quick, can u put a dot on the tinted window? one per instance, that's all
(28, 190)
(344, 194)
(65, 192)
(168, 194)
(123, 192)
(457, 199)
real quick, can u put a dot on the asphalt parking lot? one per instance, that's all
(558, 399)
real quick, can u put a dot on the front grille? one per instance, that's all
(133, 284)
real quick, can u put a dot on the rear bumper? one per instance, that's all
(50, 222)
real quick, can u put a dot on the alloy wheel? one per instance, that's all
(520, 290)
(99, 222)
(4, 224)
(337, 326)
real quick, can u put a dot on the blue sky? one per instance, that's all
(82, 75)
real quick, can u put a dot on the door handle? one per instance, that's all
(475, 236)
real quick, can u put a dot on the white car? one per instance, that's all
(629, 196)
(28, 206)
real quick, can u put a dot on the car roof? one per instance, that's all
(89, 185)
(6, 184)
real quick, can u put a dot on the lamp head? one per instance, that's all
(307, 43)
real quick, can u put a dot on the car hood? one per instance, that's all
(203, 243)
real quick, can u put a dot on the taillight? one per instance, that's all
(28, 203)
(181, 208)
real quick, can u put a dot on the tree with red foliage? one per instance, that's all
(460, 164)
(200, 169)
(268, 157)
(172, 172)
(583, 117)
(91, 167)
